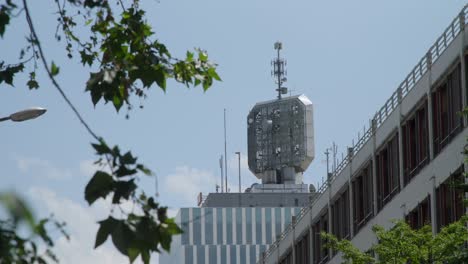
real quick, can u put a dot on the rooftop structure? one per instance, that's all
(236, 227)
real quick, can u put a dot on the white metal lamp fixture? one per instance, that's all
(24, 115)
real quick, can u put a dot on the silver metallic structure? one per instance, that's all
(281, 139)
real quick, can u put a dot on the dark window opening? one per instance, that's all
(302, 250)
(388, 171)
(446, 107)
(415, 143)
(421, 215)
(362, 198)
(449, 200)
(340, 216)
(287, 259)
(320, 253)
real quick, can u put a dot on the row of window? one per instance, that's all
(446, 105)
(210, 254)
(362, 197)
(449, 204)
(388, 171)
(447, 122)
(256, 225)
(449, 208)
(319, 252)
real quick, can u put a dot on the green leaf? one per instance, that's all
(106, 227)
(128, 159)
(133, 254)
(9, 72)
(86, 58)
(213, 74)
(121, 237)
(145, 170)
(98, 187)
(4, 20)
(54, 70)
(123, 189)
(32, 84)
(117, 101)
(145, 256)
(102, 148)
(123, 171)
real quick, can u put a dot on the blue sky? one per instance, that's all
(346, 56)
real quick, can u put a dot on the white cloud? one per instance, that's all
(42, 168)
(82, 226)
(187, 182)
(88, 168)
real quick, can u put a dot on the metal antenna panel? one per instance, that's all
(279, 71)
(281, 139)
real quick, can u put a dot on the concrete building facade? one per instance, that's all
(403, 165)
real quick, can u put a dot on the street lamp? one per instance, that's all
(24, 115)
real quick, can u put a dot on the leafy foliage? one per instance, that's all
(7, 72)
(125, 59)
(24, 249)
(138, 233)
(5, 14)
(402, 245)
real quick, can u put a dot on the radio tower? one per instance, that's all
(279, 73)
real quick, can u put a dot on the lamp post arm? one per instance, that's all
(4, 118)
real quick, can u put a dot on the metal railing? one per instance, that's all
(436, 50)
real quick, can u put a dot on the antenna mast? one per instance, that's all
(279, 71)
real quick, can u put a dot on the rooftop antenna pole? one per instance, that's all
(327, 153)
(225, 152)
(278, 70)
(221, 167)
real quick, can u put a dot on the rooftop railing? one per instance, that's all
(435, 51)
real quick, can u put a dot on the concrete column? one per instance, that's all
(351, 202)
(429, 107)
(400, 142)
(463, 65)
(330, 253)
(433, 205)
(374, 167)
(311, 233)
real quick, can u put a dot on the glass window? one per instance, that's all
(229, 225)
(188, 254)
(223, 254)
(196, 226)
(200, 254)
(219, 225)
(184, 216)
(287, 216)
(213, 256)
(277, 222)
(268, 225)
(233, 254)
(243, 258)
(208, 226)
(258, 225)
(239, 225)
(248, 222)
(253, 256)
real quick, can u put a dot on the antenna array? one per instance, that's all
(279, 72)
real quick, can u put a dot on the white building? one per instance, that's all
(400, 168)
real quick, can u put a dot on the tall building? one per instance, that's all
(234, 228)
(403, 165)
